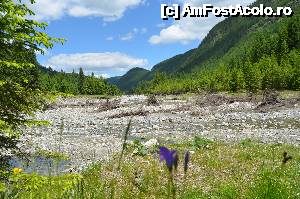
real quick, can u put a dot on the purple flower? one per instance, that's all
(176, 160)
(186, 161)
(170, 157)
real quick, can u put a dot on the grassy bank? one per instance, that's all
(216, 170)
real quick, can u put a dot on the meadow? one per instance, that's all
(215, 170)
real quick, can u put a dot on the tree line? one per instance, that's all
(75, 83)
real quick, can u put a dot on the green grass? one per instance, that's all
(289, 94)
(242, 170)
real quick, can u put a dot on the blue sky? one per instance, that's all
(109, 37)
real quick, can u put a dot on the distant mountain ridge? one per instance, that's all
(220, 40)
(130, 80)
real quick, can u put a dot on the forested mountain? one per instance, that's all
(221, 39)
(114, 80)
(131, 79)
(173, 64)
(234, 56)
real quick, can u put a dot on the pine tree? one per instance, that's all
(293, 39)
(81, 80)
(294, 61)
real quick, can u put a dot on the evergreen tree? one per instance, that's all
(293, 29)
(294, 61)
(81, 80)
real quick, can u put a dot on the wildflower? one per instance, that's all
(17, 170)
(171, 157)
(186, 161)
(176, 160)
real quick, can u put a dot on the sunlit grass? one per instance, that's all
(218, 170)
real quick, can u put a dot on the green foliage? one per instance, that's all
(228, 191)
(75, 84)
(20, 38)
(139, 148)
(96, 86)
(130, 80)
(193, 193)
(269, 184)
(201, 143)
(246, 143)
(221, 172)
(81, 81)
(23, 82)
(266, 58)
(252, 76)
(23, 32)
(35, 186)
(229, 34)
(236, 80)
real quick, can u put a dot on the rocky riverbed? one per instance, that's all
(91, 129)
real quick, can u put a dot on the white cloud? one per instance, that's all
(105, 76)
(49, 9)
(127, 37)
(183, 32)
(107, 9)
(96, 62)
(191, 29)
(133, 33)
(109, 38)
(79, 11)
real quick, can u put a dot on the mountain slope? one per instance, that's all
(267, 57)
(114, 80)
(130, 80)
(222, 38)
(171, 65)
